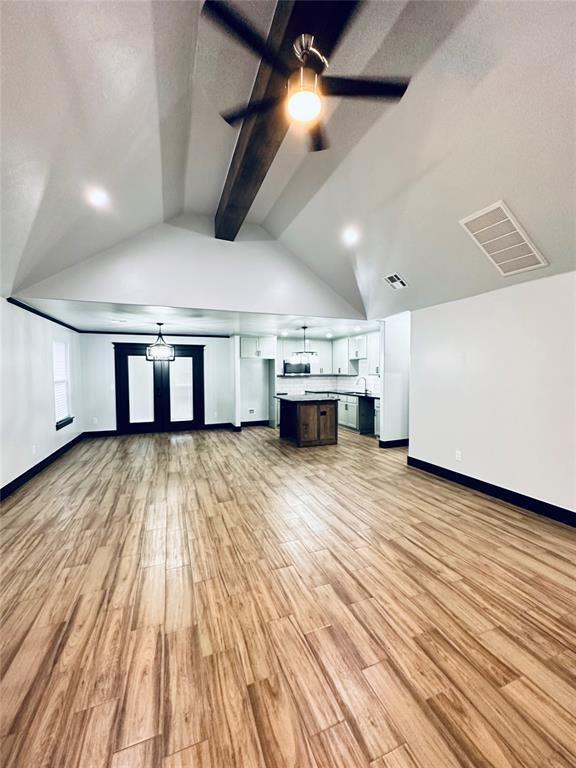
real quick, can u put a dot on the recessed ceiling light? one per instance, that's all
(350, 236)
(97, 197)
(329, 335)
(284, 333)
(357, 328)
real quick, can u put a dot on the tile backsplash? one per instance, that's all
(299, 384)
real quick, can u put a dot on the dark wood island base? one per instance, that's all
(309, 419)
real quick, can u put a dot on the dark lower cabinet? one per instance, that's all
(309, 423)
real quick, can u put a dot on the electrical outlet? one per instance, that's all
(458, 455)
(251, 411)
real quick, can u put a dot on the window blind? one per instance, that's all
(61, 382)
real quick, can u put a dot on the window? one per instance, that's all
(61, 384)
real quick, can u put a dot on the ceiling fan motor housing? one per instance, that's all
(308, 55)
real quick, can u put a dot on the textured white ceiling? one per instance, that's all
(126, 95)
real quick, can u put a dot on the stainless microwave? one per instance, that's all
(296, 369)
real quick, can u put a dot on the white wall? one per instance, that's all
(254, 389)
(394, 397)
(494, 376)
(27, 420)
(99, 387)
(247, 275)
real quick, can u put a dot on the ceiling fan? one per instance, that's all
(306, 84)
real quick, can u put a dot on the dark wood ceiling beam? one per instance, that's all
(260, 137)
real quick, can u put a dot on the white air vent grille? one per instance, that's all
(502, 239)
(395, 281)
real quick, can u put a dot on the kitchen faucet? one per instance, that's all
(365, 383)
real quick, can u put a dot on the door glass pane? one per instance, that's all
(181, 405)
(140, 389)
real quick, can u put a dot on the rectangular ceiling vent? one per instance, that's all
(395, 281)
(502, 239)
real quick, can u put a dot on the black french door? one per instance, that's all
(159, 396)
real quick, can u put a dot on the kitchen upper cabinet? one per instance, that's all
(290, 347)
(285, 349)
(248, 346)
(263, 347)
(374, 353)
(342, 362)
(267, 347)
(321, 363)
(279, 357)
(357, 347)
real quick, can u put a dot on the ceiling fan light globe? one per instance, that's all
(304, 103)
(304, 106)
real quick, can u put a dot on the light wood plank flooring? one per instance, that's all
(222, 600)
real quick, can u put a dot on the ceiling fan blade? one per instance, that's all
(237, 26)
(364, 87)
(233, 116)
(318, 138)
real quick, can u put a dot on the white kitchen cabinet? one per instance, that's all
(341, 356)
(263, 347)
(373, 344)
(267, 347)
(248, 346)
(353, 414)
(279, 357)
(343, 413)
(290, 347)
(357, 347)
(348, 411)
(377, 418)
(321, 363)
(286, 348)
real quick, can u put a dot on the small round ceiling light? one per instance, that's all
(351, 236)
(98, 198)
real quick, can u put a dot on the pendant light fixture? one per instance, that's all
(304, 355)
(160, 350)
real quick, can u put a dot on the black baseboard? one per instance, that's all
(263, 423)
(236, 428)
(393, 443)
(19, 481)
(115, 433)
(503, 494)
(101, 433)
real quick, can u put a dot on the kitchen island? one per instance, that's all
(309, 419)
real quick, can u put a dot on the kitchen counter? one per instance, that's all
(308, 397)
(342, 392)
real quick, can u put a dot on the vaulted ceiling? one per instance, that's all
(126, 97)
